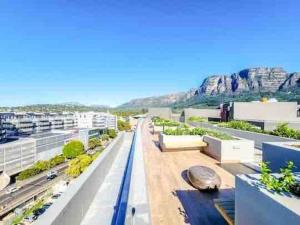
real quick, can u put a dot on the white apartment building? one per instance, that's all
(20, 123)
(99, 120)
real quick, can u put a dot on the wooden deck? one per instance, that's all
(172, 199)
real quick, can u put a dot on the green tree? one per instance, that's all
(73, 170)
(112, 133)
(73, 149)
(78, 165)
(84, 161)
(124, 125)
(105, 137)
(94, 143)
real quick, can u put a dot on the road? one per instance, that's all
(7, 200)
(256, 137)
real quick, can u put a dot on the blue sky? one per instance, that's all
(110, 51)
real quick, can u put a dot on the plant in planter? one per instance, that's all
(286, 182)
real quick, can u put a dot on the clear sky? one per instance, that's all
(110, 51)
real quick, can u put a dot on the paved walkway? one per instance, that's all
(102, 208)
(172, 199)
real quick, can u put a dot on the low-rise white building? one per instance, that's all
(99, 120)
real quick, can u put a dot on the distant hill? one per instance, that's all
(164, 100)
(246, 85)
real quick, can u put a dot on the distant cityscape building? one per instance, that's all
(99, 120)
(26, 137)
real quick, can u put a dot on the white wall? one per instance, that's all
(276, 111)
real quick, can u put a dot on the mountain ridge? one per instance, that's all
(252, 81)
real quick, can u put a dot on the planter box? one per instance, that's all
(254, 204)
(158, 129)
(181, 142)
(240, 150)
(279, 153)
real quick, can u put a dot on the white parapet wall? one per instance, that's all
(255, 205)
(274, 111)
(240, 150)
(279, 153)
(180, 142)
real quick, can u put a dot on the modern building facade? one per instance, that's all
(26, 123)
(266, 115)
(19, 153)
(2, 132)
(99, 120)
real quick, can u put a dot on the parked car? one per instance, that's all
(30, 218)
(11, 190)
(51, 174)
(56, 196)
(47, 205)
(39, 211)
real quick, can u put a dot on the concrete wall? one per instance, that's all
(279, 153)
(254, 205)
(205, 113)
(163, 112)
(241, 150)
(138, 194)
(276, 111)
(74, 203)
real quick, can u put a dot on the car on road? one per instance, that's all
(51, 174)
(11, 190)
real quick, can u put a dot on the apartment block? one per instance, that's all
(99, 120)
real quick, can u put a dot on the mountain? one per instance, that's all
(254, 80)
(159, 101)
(246, 85)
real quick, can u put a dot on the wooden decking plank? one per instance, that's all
(226, 209)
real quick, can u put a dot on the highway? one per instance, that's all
(23, 194)
(256, 137)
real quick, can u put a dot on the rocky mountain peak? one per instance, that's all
(259, 79)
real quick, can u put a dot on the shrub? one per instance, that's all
(94, 143)
(56, 160)
(30, 172)
(278, 184)
(78, 165)
(163, 122)
(72, 149)
(42, 165)
(241, 125)
(196, 119)
(112, 133)
(284, 131)
(73, 170)
(104, 137)
(123, 126)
